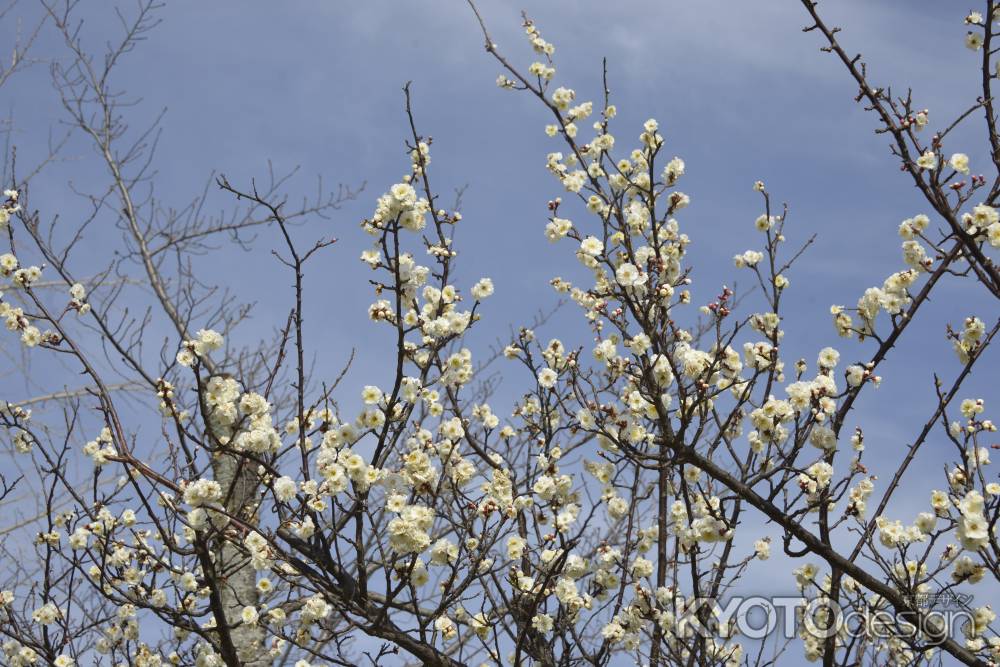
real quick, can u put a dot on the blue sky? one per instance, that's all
(740, 92)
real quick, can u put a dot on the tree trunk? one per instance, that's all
(238, 580)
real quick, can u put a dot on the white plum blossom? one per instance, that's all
(482, 289)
